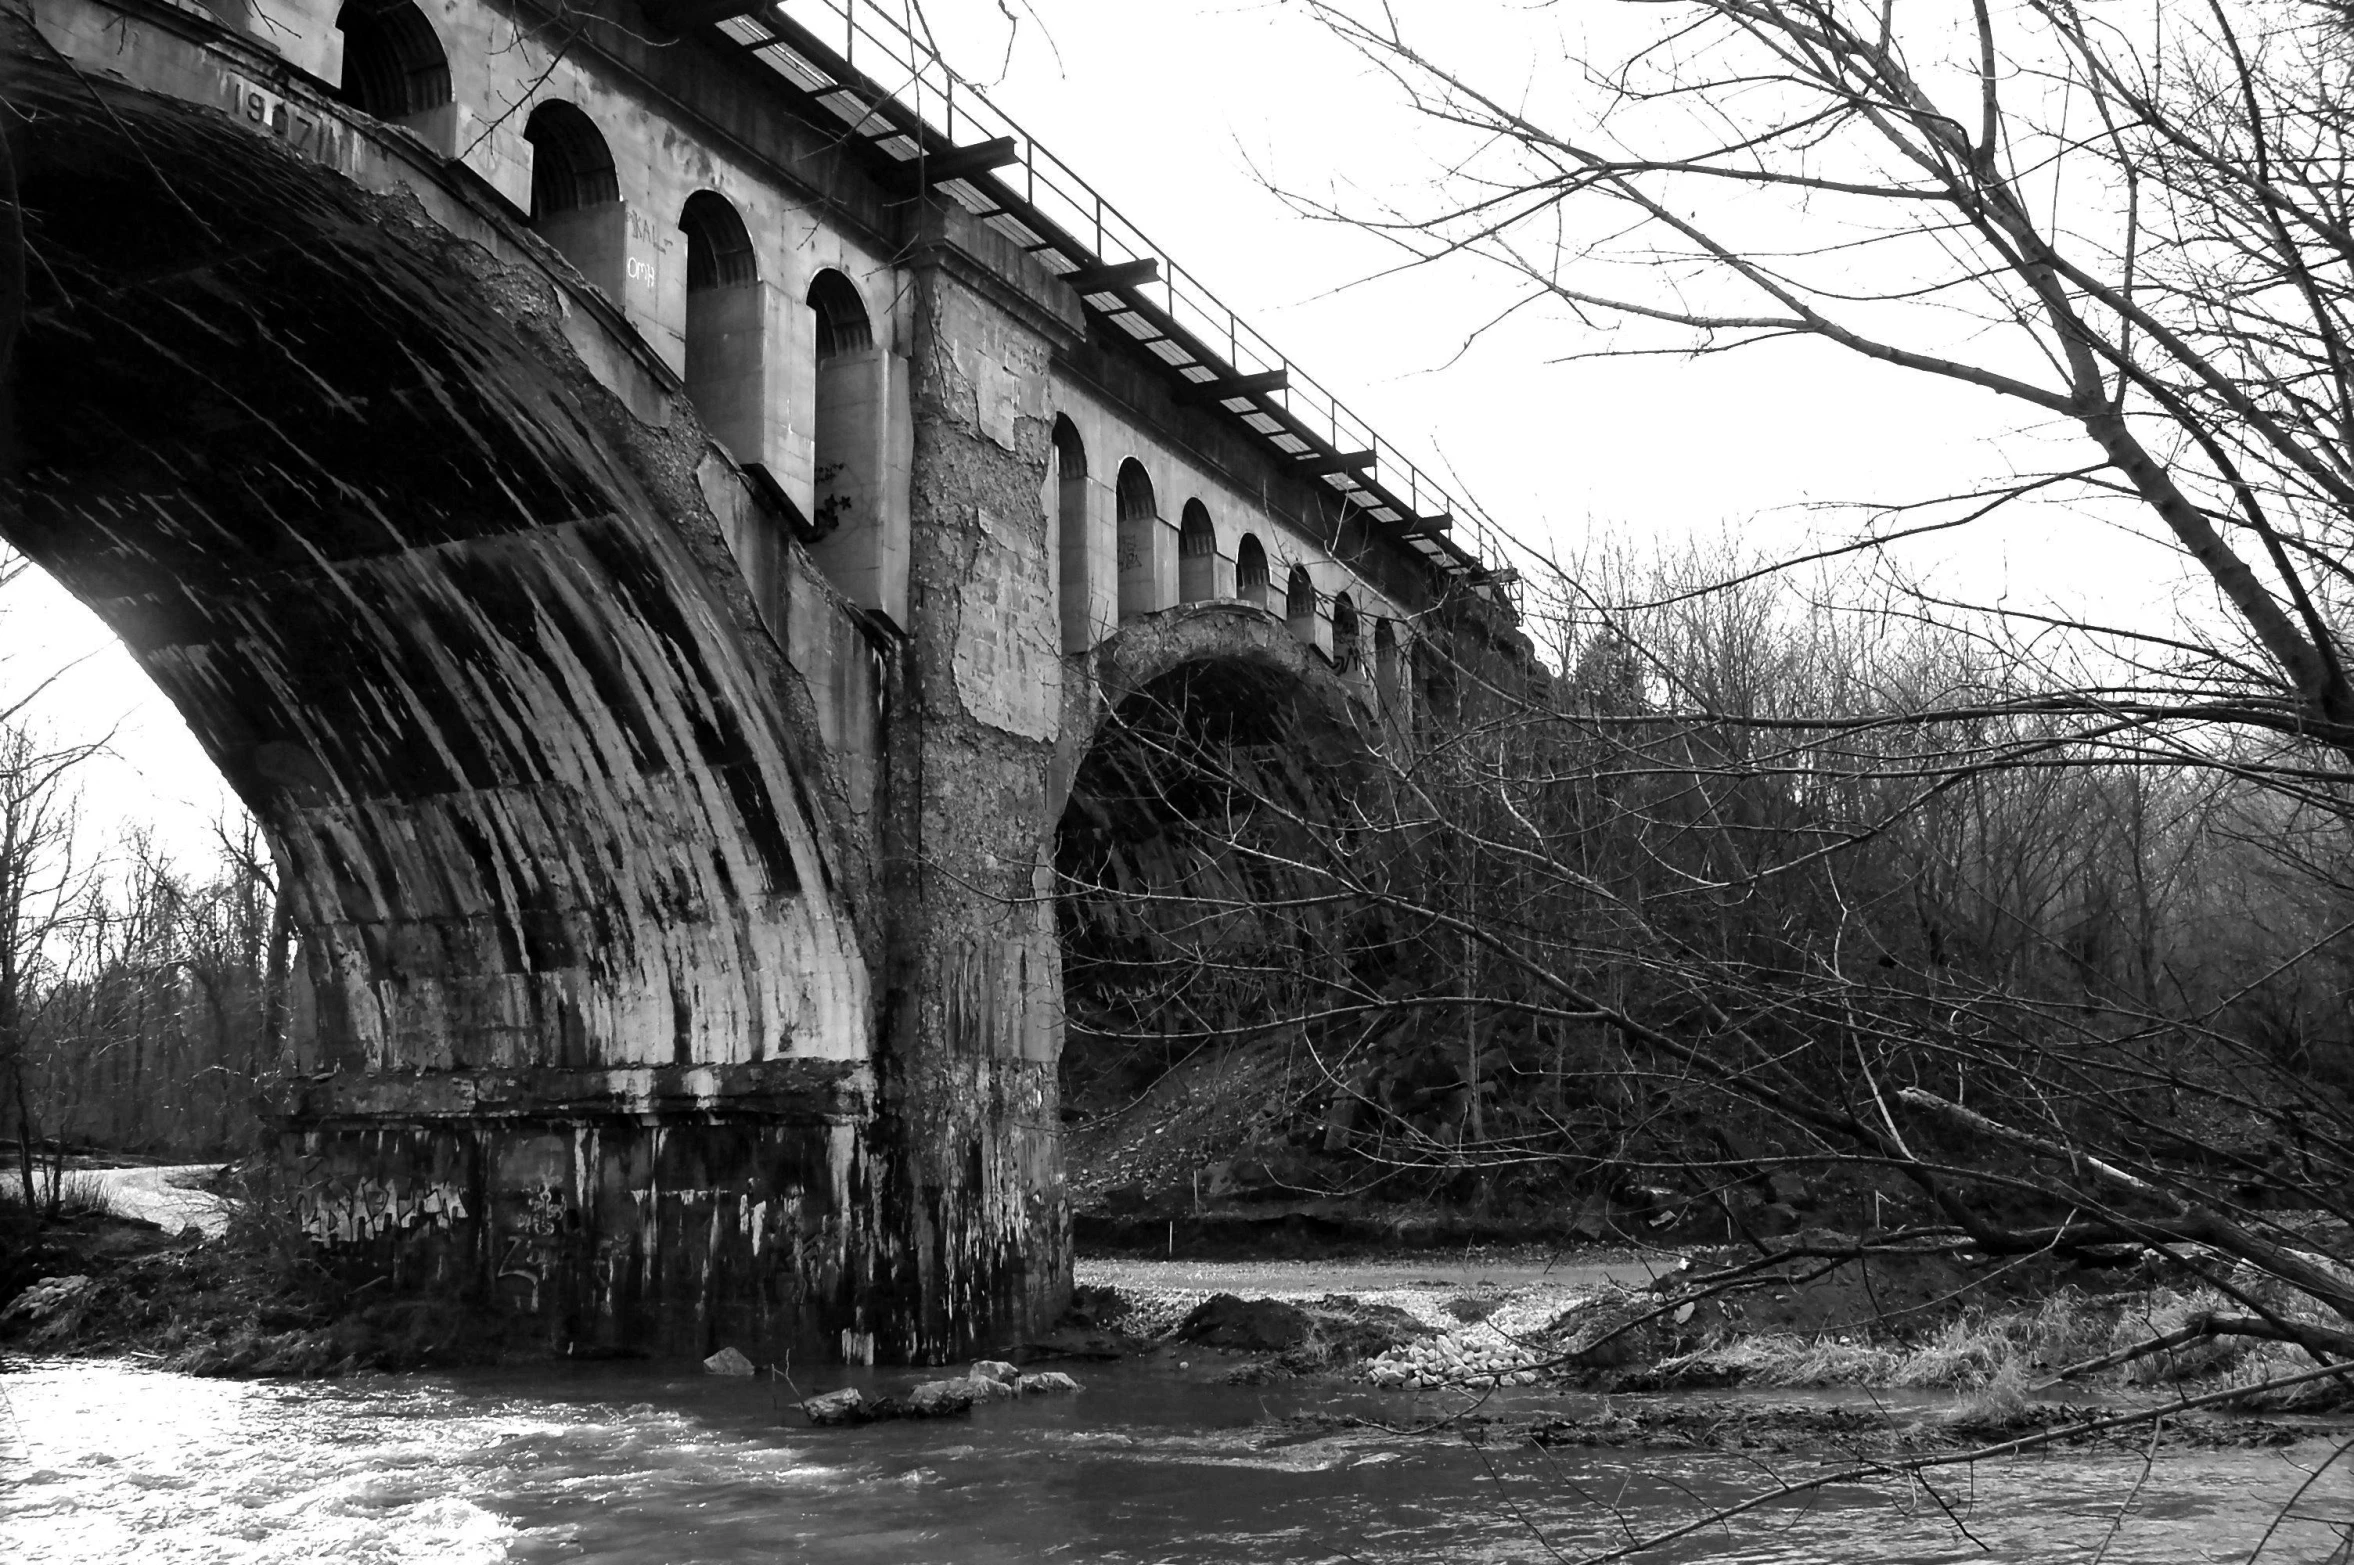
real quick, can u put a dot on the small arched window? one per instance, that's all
(860, 486)
(843, 325)
(1070, 497)
(576, 196)
(725, 344)
(1299, 604)
(1386, 667)
(719, 250)
(1344, 634)
(393, 63)
(1135, 492)
(1250, 570)
(1197, 555)
(571, 167)
(1140, 525)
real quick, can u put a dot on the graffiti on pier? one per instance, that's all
(535, 1250)
(350, 1211)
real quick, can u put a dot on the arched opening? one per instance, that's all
(1189, 915)
(1197, 555)
(1076, 559)
(726, 309)
(1250, 570)
(1386, 665)
(1140, 526)
(393, 65)
(576, 195)
(1299, 604)
(861, 534)
(535, 801)
(843, 326)
(1344, 634)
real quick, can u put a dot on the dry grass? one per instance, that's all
(78, 1191)
(1996, 1357)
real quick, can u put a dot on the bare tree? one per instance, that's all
(45, 886)
(2131, 225)
(1781, 886)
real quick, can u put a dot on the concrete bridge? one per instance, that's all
(650, 507)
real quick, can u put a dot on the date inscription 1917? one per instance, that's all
(260, 109)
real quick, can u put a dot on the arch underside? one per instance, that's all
(1184, 851)
(462, 633)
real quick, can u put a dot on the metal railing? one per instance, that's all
(870, 69)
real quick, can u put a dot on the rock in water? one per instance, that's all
(1045, 1381)
(997, 1370)
(942, 1398)
(846, 1406)
(728, 1361)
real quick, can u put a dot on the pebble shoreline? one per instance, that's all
(1503, 1348)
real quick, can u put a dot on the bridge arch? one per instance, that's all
(844, 325)
(394, 65)
(726, 326)
(1389, 672)
(1074, 549)
(861, 538)
(1197, 555)
(555, 823)
(576, 195)
(1139, 520)
(1345, 649)
(1299, 604)
(1250, 571)
(1198, 715)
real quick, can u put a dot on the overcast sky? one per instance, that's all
(1183, 112)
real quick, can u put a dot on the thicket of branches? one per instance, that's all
(2031, 928)
(1762, 848)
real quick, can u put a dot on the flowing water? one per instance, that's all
(102, 1461)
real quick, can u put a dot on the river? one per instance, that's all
(104, 1461)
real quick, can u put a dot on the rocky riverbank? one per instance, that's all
(2004, 1341)
(204, 1281)
(2002, 1338)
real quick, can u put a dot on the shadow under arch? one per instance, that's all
(463, 631)
(1182, 907)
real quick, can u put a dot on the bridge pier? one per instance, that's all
(972, 1017)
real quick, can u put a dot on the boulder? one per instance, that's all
(728, 1361)
(846, 1406)
(996, 1371)
(50, 1310)
(942, 1399)
(1045, 1382)
(1095, 1306)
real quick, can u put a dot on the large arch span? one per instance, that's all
(426, 551)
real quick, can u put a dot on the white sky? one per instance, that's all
(1179, 111)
